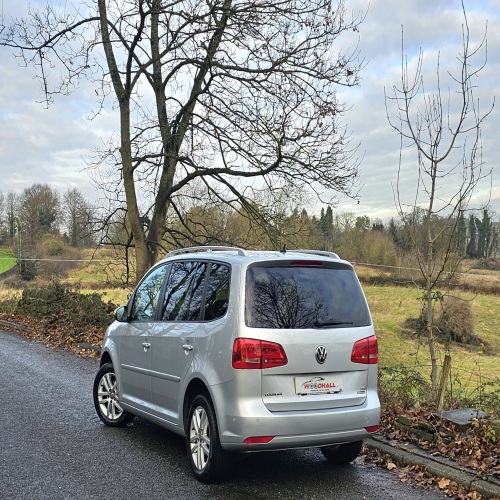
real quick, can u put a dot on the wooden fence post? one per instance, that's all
(445, 374)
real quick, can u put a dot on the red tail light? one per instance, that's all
(365, 351)
(251, 354)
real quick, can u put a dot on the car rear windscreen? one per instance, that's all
(304, 296)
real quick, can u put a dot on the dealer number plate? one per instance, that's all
(328, 384)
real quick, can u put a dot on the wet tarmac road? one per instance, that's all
(53, 446)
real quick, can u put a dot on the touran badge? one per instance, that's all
(321, 354)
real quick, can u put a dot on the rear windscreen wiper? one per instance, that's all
(321, 324)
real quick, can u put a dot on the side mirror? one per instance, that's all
(121, 314)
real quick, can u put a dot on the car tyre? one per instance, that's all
(207, 459)
(342, 453)
(106, 399)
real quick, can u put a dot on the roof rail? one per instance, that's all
(208, 248)
(321, 253)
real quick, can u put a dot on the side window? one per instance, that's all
(146, 296)
(184, 292)
(217, 297)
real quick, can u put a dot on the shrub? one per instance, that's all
(51, 258)
(72, 313)
(403, 386)
(453, 321)
(51, 246)
(28, 270)
(456, 321)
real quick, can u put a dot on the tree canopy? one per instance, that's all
(238, 95)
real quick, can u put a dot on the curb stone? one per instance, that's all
(15, 326)
(88, 346)
(404, 455)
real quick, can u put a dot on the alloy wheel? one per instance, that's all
(108, 398)
(199, 438)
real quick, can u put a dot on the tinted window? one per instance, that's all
(184, 292)
(217, 291)
(304, 297)
(146, 296)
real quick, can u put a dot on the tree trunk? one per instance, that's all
(123, 91)
(429, 285)
(430, 338)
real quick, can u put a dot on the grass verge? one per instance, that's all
(7, 260)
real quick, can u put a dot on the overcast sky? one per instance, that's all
(50, 146)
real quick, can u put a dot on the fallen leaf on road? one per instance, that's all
(444, 483)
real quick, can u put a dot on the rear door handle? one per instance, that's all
(187, 348)
(146, 346)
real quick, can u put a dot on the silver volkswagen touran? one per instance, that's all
(243, 351)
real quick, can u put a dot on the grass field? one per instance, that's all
(391, 306)
(7, 260)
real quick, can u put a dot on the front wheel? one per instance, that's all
(342, 453)
(207, 459)
(106, 399)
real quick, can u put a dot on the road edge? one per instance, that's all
(437, 468)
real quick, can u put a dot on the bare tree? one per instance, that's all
(11, 213)
(39, 211)
(78, 218)
(241, 95)
(446, 134)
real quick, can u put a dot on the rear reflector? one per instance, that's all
(258, 440)
(365, 351)
(372, 428)
(251, 354)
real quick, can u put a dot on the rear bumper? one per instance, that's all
(239, 420)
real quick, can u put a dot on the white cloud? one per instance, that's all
(430, 26)
(39, 145)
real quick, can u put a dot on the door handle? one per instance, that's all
(187, 348)
(146, 346)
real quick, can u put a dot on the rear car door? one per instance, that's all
(317, 312)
